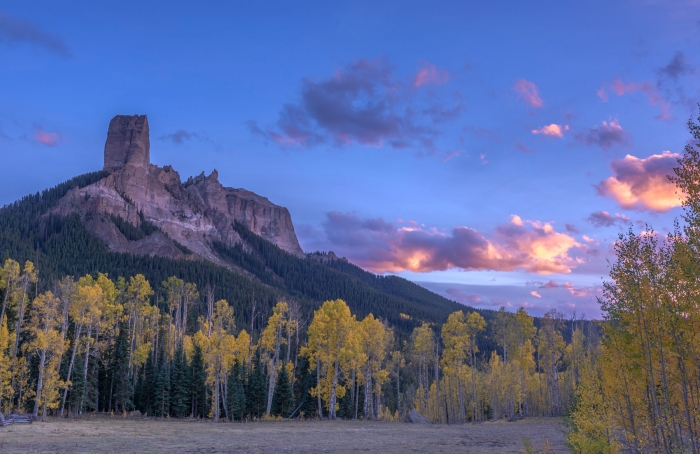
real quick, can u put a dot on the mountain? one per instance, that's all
(135, 217)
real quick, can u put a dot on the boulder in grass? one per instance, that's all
(416, 418)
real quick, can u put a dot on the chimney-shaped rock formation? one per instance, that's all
(195, 214)
(127, 142)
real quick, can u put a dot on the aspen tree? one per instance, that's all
(271, 341)
(329, 332)
(423, 347)
(9, 279)
(5, 368)
(45, 341)
(28, 277)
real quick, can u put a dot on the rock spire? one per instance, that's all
(127, 142)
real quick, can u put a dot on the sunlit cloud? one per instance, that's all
(642, 183)
(381, 246)
(620, 88)
(572, 289)
(528, 92)
(535, 294)
(552, 130)
(430, 74)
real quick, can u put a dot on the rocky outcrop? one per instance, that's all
(128, 142)
(192, 214)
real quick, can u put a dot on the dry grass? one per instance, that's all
(106, 434)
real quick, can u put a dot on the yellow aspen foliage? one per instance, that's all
(330, 334)
(5, 367)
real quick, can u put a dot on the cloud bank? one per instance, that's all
(382, 246)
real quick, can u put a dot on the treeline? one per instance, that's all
(262, 272)
(102, 345)
(642, 394)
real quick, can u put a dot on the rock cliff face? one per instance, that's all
(192, 214)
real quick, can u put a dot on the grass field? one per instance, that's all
(107, 434)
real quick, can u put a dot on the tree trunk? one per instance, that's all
(39, 383)
(331, 409)
(70, 368)
(318, 385)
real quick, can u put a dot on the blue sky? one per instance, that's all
(490, 151)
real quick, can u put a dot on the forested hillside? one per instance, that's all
(62, 246)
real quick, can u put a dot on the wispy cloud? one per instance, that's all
(642, 183)
(678, 66)
(620, 88)
(179, 136)
(364, 103)
(430, 74)
(605, 219)
(528, 92)
(15, 31)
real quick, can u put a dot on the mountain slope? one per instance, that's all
(254, 271)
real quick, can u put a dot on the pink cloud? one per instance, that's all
(451, 155)
(620, 88)
(381, 246)
(430, 74)
(553, 130)
(535, 294)
(49, 139)
(573, 290)
(528, 92)
(642, 184)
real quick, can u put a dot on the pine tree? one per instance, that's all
(282, 399)
(78, 389)
(123, 388)
(305, 381)
(179, 385)
(162, 387)
(256, 393)
(148, 378)
(198, 379)
(235, 394)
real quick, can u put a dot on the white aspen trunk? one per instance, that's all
(273, 374)
(331, 409)
(367, 407)
(20, 320)
(216, 397)
(70, 367)
(39, 382)
(318, 384)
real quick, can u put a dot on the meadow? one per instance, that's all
(101, 433)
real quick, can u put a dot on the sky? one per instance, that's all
(489, 151)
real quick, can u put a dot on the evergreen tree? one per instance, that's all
(78, 388)
(303, 401)
(198, 379)
(235, 394)
(179, 386)
(123, 388)
(162, 387)
(146, 388)
(256, 393)
(282, 399)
